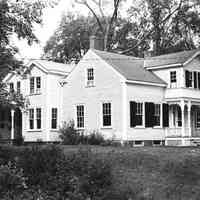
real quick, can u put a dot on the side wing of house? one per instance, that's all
(93, 97)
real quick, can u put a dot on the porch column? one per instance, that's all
(12, 124)
(182, 118)
(189, 119)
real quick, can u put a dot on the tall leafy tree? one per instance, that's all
(17, 17)
(171, 25)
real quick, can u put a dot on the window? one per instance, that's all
(106, 114)
(198, 119)
(80, 116)
(18, 87)
(173, 77)
(157, 114)
(11, 87)
(190, 80)
(54, 113)
(38, 118)
(139, 114)
(90, 77)
(38, 84)
(179, 119)
(31, 118)
(32, 85)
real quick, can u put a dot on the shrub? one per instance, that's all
(95, 138)
(12, 181)
(69, 135)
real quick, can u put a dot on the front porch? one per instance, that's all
(10, 124)
(184, 123)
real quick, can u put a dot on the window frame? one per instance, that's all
(18, 87)
(38, 118)
(90, 79)
(107, 114)
(140, 111)
(191, 79)
(157, 114)
(80, 119)
(173, 77)
(31, 119)
(54, 118)
(11, 87)
(197, 121)
(32, 85)
(38, 83)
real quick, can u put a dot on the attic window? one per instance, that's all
(90, 77)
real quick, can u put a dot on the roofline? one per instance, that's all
(146, 83)
(191, 58)
(165, 66)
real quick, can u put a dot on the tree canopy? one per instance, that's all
(163, 26)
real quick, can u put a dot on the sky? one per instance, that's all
(51, 19)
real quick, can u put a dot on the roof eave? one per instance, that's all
(164, 66)
(146, 83)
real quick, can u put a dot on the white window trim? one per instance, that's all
(75, 114)
(57, 127)
(35, 91)
(86, 77)
(161, 113)
(101, 115)
(143, 115)
(34, 121)
(173, 84)
(196, 120)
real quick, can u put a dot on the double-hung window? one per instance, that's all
(190, 79)
(11, 87)
(173, 79)
(38, 118)
(80, 116)
(35, 85)
(107, 114)
(54, 116)
(38, 84)
(31, 118)
(198, 119)
(32, 85)
(90, 77)
(18, 87)
(139, 114)
(157, 114)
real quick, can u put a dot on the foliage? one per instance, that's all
(71, 39)
(70, 136)
(12, 180)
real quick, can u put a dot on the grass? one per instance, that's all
(152, 172)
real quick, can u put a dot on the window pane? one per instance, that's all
(80, 116)
(38, 118)
(38, 84)
(31, 118)
(54, 118)
(173, 77)
(11, 87)
(18, 87)
(106, 114)
(139, 114)
(157, 114)
(32, 85)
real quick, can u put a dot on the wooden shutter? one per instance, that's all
(149, 114)
(199, 80)
(165, 115)
(187, 74)
(195, 79)
(132, 114)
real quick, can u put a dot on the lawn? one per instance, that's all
(152, 172)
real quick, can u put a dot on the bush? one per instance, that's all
(12, 181)
(70, 136)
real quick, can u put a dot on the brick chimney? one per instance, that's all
(96, 43)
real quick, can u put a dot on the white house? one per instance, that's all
(149, 101)
(41, 85)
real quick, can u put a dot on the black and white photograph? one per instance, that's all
(99, 99)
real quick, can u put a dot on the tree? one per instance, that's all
(105, 23)
(171, 25)
(71, 39)
(17, 17)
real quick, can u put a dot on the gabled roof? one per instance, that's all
(131, 68)
(178, 58)
(50, 66)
